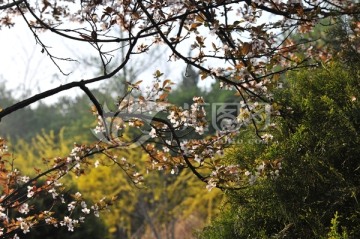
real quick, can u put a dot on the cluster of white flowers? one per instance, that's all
(250, 15)
(74, 154)
(264, 170)
(244, 116)
(71, 206)
(166, 147)
(174, 170)
(24, 208)
(217, 71)
(3, 215)
(267, 137)
(24, 225)
(252, 177)
(184, 149)
(202, 149)
(197, 116)
(95, 208)
(23, 179)
(100, 126)
(84, 208)
(193, 117)
(197, 158)
(54, 184)
(260, 114)
(178, 118)
(30, 191)
(49, 219)
(78, 195)
(137, 177)
(257, 45)
(152, 133)
(69, 222)
(211, 184)
(14, 174)
(275, 173)
(276, 170)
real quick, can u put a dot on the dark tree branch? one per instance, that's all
(68, 86)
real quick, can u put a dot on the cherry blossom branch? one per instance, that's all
(44, 48)
(173, 134)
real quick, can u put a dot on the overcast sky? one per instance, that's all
(24, 67)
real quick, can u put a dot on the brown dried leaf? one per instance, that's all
(246, 48)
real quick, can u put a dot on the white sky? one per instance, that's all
(24, 67)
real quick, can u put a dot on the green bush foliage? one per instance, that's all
(317, 141)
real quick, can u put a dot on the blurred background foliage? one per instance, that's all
(167, 206)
